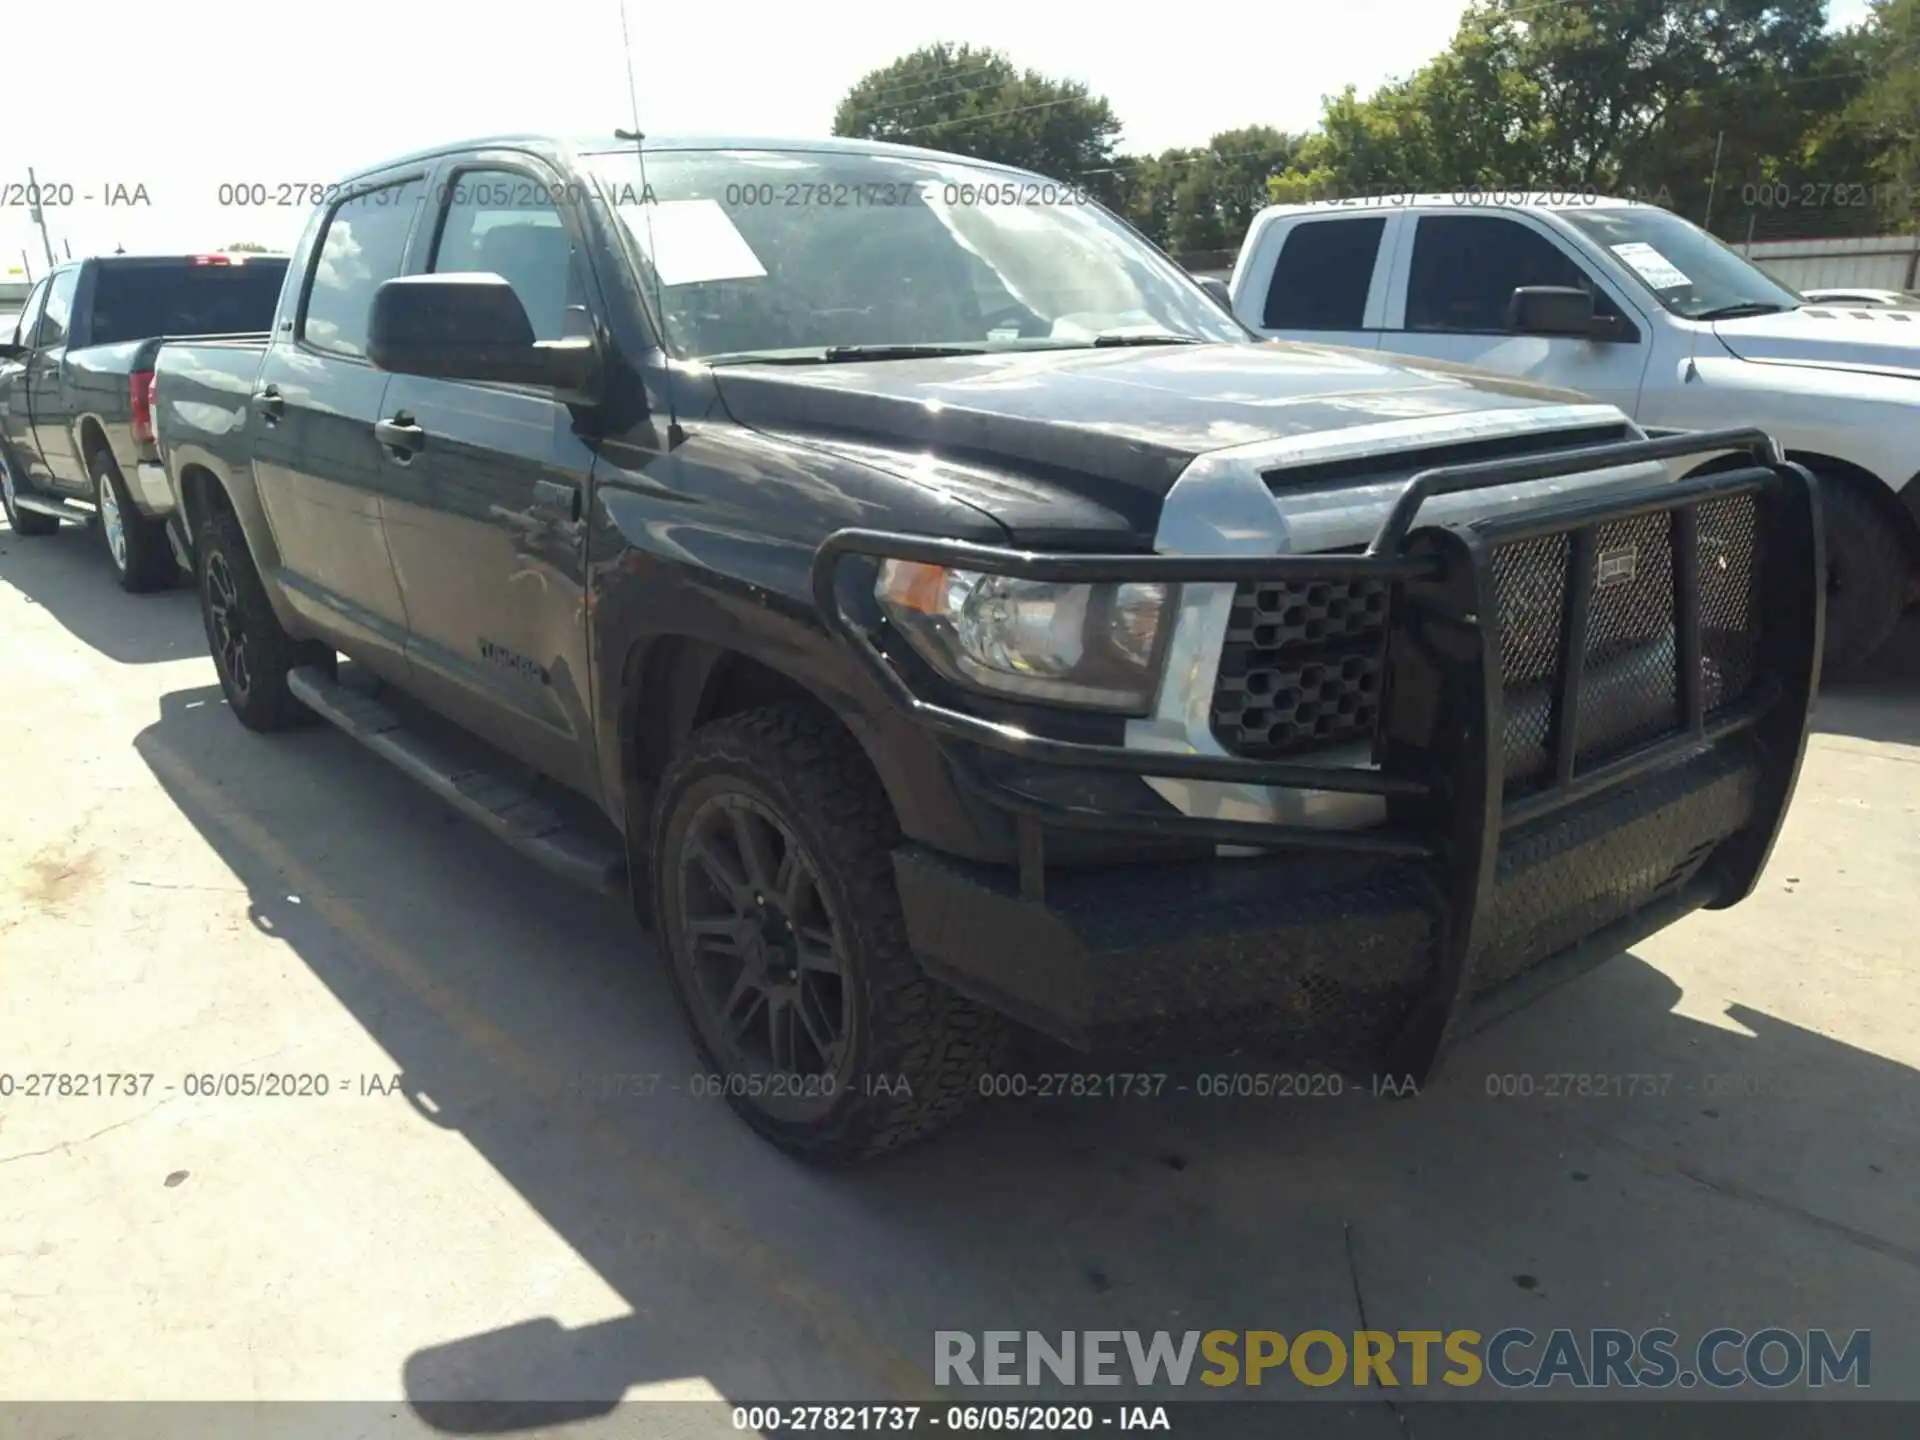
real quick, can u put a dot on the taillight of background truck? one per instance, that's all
(212, 260)
(140, 402)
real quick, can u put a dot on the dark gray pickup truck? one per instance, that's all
(941, 617)
(76, 375)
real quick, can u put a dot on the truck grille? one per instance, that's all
(1302, 664)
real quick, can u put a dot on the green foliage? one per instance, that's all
(1191, 200)
(1884, 120)
(1700, 105)
(975, 102)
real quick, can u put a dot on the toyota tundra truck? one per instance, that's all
(947, 623)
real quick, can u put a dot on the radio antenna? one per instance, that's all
(675, 435)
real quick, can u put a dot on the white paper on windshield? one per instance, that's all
(691, 242)
(1653, 267)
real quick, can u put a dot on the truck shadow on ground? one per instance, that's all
(69, 575)
(1885, 705)
(1720, 1167)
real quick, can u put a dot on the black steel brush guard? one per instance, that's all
(1439, 743)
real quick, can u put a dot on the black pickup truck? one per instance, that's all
(76, 376)
(937, 613)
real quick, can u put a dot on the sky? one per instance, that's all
(175, 101)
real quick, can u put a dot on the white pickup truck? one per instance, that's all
(1635, 306)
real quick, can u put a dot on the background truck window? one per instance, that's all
(365, 246)
(1323, 275)
(170, 297)
(1465, 269)
(496, 224)
(30, 314)
(59, 317)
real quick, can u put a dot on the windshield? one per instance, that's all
(762, 252)
(140, 300)
(1688, 271)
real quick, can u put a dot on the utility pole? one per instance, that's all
(1714, 183)
(39, 217)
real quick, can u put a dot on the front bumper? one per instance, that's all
(1368, 947)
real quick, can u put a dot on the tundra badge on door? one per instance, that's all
(512, 660)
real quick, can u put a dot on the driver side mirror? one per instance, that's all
(1563, 310)
(472, 327)
(1217, 288)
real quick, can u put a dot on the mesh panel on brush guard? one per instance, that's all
(1630, 690)
(1302, 666)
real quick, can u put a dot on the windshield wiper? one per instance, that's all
(834, 354)
(1102, 342)
(1744, 308)
(897, 352)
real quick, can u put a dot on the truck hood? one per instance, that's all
(1115, 426)
(1828, 335)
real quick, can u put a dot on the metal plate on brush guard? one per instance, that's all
(1615, 567)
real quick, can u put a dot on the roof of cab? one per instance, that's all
(554, 147)
(1478, 197)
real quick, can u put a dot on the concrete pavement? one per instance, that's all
(181, 898)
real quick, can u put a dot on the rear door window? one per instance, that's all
(176, 297)
(364, 246)
(1323, 275)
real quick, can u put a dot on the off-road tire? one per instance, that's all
(264, 703)
(918, 1050)
(1866, 579)
(149, 558)
(23, 522)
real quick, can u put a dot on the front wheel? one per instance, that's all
(22, 522)
(1866, 579)
(137, 546)
(773, 884)
(252, 653)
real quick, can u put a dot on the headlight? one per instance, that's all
(1096, 646)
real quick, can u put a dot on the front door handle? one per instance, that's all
(400, 434)
(268, 402)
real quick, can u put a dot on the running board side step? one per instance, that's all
(505, 806)
(79, 512)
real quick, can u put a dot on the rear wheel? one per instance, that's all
(252, 653)
(1866, 578)
(782, 928)
(23, 522)
(137, 546)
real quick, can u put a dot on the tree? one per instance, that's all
(1633, 96)
(246, 247)
(976, 102)
(1885, 118)
(1218, 191)
(1639, 94)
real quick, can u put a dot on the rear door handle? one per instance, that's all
(268, 402)
(400, 434)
